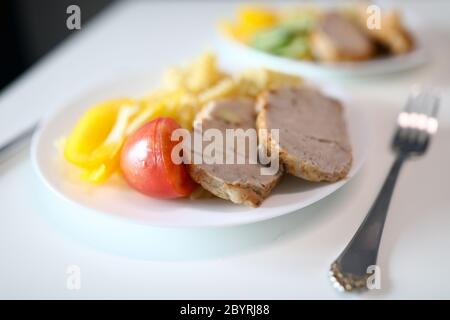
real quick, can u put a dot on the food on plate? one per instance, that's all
(147, 165)
(313, 140)
(392, 36)
(96, 140)
(336, 38)
(320, 34)
(200, 193)
(134, 136)
(252, 82)
(184, 90)
(94, 144)
(239, 183)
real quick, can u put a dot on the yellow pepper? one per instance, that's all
(250, 20)
(256, 17)
(95, 143)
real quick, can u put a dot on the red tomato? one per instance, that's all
(147, 165)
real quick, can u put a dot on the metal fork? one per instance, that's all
(415, 126)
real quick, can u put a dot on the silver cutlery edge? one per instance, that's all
(415, 126)
(8, 147)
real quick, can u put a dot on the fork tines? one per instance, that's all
(417, 122)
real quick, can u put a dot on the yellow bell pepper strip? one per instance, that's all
(253, 17)
(95, 143)
(250, 20)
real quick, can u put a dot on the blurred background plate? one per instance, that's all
(233, 50)
(242, 54)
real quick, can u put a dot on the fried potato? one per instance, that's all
(225, 88)
(186, 89)
(203, 73)
(195, 77)
(253, 81)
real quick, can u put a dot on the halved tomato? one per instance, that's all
(147, 165)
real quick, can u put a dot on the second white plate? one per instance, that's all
(233, 50)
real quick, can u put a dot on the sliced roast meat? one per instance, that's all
(239, 183)
(313, 141)
(336, 38)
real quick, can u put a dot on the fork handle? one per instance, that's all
(362, 250)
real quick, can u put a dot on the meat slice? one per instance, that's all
(393, 35)
(313, 141)
(239, 183)
(336, 38)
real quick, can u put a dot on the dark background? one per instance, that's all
(30, 28)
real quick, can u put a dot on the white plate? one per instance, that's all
(116, 198)
(235, 51)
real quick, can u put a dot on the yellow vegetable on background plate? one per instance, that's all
(250, 20)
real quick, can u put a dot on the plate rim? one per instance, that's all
(417, 57)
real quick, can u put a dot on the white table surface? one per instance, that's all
(287, 257)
